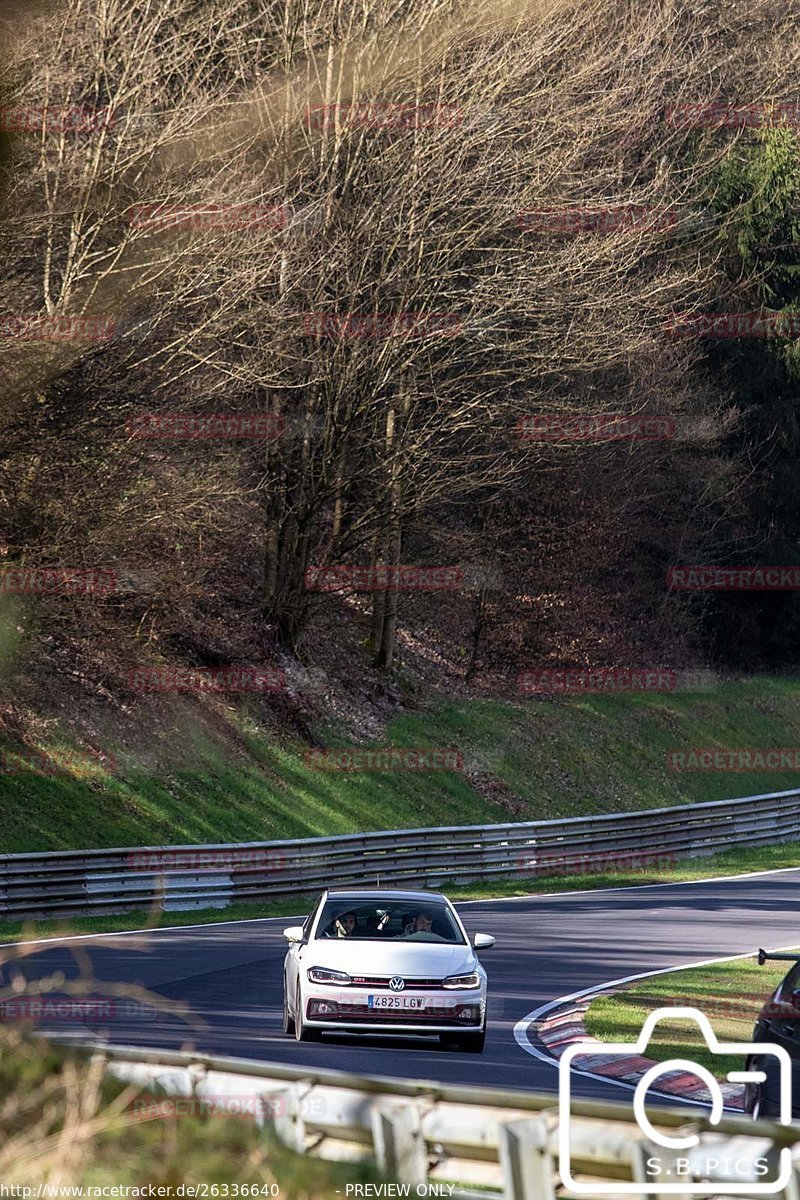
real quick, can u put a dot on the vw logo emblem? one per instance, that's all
(396, 983)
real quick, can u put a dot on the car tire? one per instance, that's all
(288, 1019)
(472, 1043)
(761, 1108)
(754, 1099)
(303, 1032)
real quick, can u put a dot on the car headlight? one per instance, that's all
(323, 975)
(462, 981)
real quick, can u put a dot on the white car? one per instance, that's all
(385, 962)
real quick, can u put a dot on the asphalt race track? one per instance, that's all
(547, 947)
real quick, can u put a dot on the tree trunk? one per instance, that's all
(479, 621)
(380, 552)
(272, 518)
(377, 559)
(385, 654)
(394, 432)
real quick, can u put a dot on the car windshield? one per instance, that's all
(389, 919)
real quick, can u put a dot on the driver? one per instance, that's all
(343, 926)
(422, 923)
(346, 924)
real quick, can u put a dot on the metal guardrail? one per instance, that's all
(423, 1133)
(67, 883)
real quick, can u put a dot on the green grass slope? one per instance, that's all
(546, 758)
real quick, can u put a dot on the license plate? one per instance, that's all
(396, 1002)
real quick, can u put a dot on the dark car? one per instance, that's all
(779, 1025)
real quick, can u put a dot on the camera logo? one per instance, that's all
(677, 1160)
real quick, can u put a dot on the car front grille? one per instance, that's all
(411, 985)
(784, 1029)
(389, 1016)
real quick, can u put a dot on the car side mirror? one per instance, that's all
(294, 933)
(483, 941)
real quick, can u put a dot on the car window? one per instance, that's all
(389, 919)
(792, 981)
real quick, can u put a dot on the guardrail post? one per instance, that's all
(399, 1142)
(792, 1189)
(524, 1148)
(287, 1107)
(642, 1150)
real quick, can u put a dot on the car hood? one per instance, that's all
(423, 959)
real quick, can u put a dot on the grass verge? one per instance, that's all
(731, 994)
(557, 757)
(62, 1124)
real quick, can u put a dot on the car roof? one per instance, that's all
(384, 893)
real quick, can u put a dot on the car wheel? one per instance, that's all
(288, 1019)
(472, 1043)
(761, 1108)
(303, 1032)
(756, 1103)
(753, 1093)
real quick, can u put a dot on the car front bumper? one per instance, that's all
(444, 1011)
